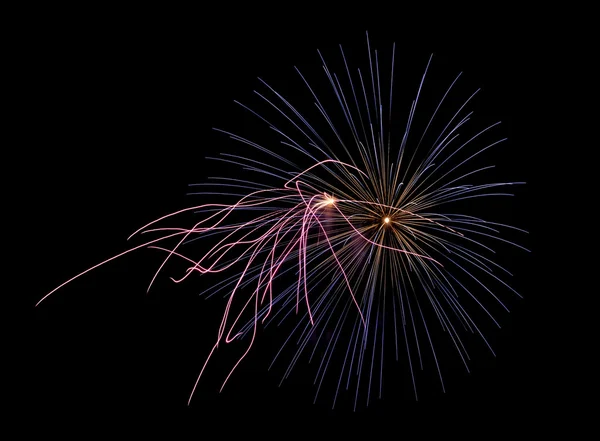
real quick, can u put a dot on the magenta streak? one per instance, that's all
(223, 322)
(228, 339)
(176, 254)
(272, 271)
(232, 207)
(250, 260)
(302, 256)
(271, 276)
(220, 334)
(249, 346)
(219, 247)
(334, 256)
(201, 371)
(103, 262)
(229, 246)
(282, 259)
(216, 250)
(303, 237)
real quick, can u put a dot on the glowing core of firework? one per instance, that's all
(351, 239)
(329, 200)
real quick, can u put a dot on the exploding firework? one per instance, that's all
(354, 222)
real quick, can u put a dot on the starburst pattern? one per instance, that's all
(355, 235)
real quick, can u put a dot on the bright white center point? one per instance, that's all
(386, 220)
(330, 201)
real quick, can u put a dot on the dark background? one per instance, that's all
(125, 103)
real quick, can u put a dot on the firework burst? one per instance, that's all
(358, 238)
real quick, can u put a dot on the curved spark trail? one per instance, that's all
(358, 221)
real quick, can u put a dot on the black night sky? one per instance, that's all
(126, 103)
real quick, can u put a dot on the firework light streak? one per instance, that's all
(363, 222)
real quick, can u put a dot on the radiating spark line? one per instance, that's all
(353, 223)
